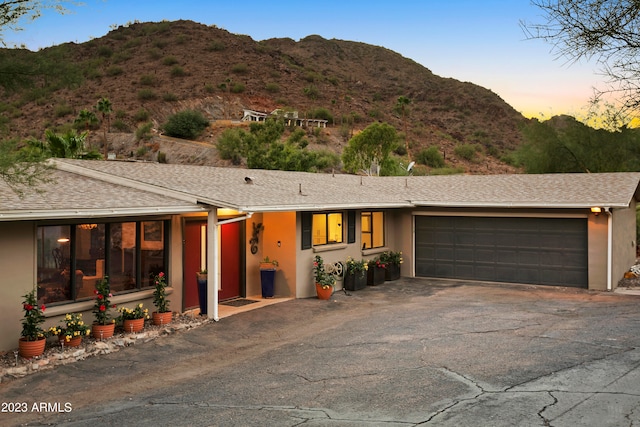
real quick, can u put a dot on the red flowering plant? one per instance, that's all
(102, 305)
(160, 294)
(377, 263)
(33, 318)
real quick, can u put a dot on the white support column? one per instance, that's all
(213, 265)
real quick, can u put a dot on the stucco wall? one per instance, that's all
(17, 263)
(624, 242)
(597, 240)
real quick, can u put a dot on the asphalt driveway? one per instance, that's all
(410, 352)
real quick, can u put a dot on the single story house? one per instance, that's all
(131, 220)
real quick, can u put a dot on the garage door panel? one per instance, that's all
(527, 250)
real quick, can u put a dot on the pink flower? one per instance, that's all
(161, 274)
(43, 308)
(28, 307)
(102, 307)
(100, 296)
(95, 291)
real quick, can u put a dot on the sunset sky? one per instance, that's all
(468, 40)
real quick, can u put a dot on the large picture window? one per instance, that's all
(327, 228)
(72, 258)
(372, 226)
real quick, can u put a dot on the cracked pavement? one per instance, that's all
(413, 352)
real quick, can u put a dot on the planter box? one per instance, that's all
(355, 281)
(375, 276)
(392, 272)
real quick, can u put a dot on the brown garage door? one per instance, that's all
(548, 251)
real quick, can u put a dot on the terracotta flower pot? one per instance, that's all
(324, 293)
(102, 332)
(73, 342)
(133, 325)
(29, 349)
(161, 318)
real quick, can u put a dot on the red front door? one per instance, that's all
(230, 257)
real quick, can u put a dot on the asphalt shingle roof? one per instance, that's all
(99, 185)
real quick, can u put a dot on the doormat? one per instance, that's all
(238, 302)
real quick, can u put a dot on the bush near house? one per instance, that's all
(187, 124)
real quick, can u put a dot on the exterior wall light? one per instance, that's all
(596, 210)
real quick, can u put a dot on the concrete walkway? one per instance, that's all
(410, 352)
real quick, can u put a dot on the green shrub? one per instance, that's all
(209, 88)
(162, 157)
(431, 157)
(148, 80)
(178, 71)
(465, 151)
(237, 88)
(141, 115)
(231, 146)
(240, 68)
(170, 60)
(146, 95)
(170, 97)
(155, 53)
(105, 51)
(120, 125)
(114, 70)
(446, 171)
(62, 110)
(321, 114)
(272, 87)
(186, 124)
(312, 92)
(144, 131)
(216, 46)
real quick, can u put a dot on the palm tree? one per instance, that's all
(104, 107)
(86, 119)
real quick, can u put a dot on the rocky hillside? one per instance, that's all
(151, 70)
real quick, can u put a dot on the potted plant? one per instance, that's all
(375, 272)
(74, 329)
(133, 318)
(355, 276)
(201, 277)
(104, 325)
(392, 260)
(324, 281)
(268, 276)
(33, 337)
(162, 315)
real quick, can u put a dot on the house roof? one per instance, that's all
(87, 188)
(70, 195)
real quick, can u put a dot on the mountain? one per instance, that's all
(150, 71)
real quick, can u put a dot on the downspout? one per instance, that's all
(212, 263)
(609, 248)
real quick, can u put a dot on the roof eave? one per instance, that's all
(47, 214)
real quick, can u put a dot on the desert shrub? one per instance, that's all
(120, 125)
(170, 60)
(141, 151)
(141, 115)
(62, 110)
(105, 51)
(170, 97)
(431, 157)
(148, 80)
(465, 151)
(312, 92)
(146, 95)
(272, 87)
(209, 88)
(162, 157)
(114, 70)
(144, 131)
(216, 46)
(446, 171)
(187, 124)
(321, 114)
(237, 88)
(240, 68)
(154, 53)
(178, 71)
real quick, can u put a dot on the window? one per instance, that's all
(72, 258)
(372, 226)
(327, 228)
